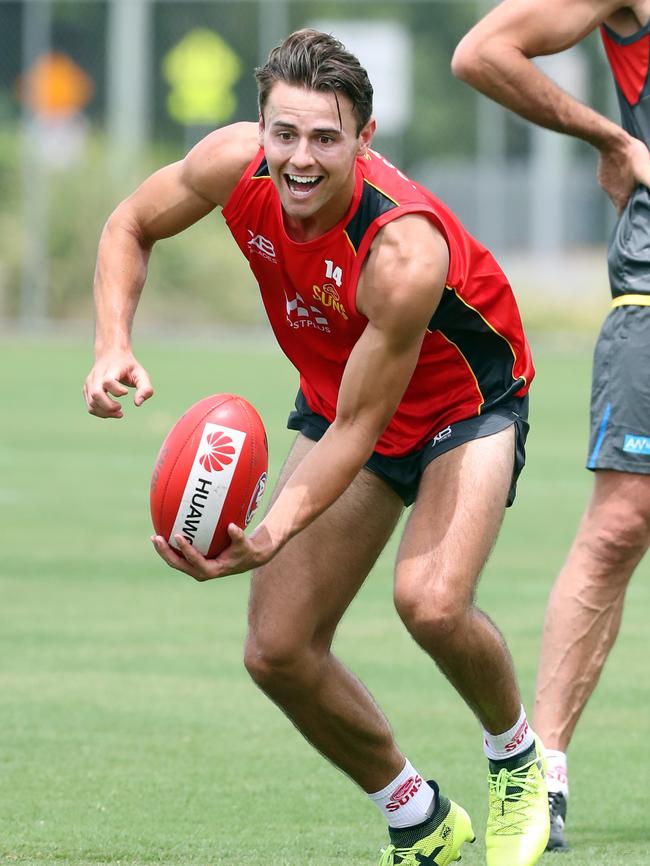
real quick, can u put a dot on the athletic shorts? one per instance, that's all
(403, 474)
(620, 393)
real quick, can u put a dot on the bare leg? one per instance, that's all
(296, 603)
(448, 538)
(586, 603)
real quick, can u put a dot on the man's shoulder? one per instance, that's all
(215, 165)
(390, 181)
(405, 270)
(412, 240)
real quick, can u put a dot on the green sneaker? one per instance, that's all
(518, 819)
(435, 842)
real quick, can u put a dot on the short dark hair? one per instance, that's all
(317, 61)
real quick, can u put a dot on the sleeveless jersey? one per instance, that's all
(628, 260)
(475, 354)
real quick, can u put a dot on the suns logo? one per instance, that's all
(328, 296)
(405, 792)
(220, 452)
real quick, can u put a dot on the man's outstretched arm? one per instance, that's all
(495, 57)
(168, 202)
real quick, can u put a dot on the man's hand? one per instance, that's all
(619, 172)
(495, 58)
(244, 553)
(111, 376)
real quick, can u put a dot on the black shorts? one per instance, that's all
(620, 393)
(403, 474)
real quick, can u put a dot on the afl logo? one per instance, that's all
(220, 452)
(256, 498)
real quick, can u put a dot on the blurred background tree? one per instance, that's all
(61, 174)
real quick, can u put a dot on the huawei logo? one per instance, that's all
(220, 452)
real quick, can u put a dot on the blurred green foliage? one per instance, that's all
(198, 276)
(201, 276)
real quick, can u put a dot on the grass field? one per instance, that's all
(129, 731)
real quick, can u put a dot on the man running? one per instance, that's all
(586, 603)
(414, 372)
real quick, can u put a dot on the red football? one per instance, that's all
(210, 471)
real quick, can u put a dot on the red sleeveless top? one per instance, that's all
(475, 354)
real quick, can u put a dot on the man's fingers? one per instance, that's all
(115, 387)
(644, 177)
(107, 381)
(99, 403)
(236, 533)
(143, 387)
(171, 556)
(189, 553)
(141, 395)
(185, 558)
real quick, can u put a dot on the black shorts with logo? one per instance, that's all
(620, 392)
(403, 474)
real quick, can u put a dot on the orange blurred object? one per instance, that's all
(55, 86)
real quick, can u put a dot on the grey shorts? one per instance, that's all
(403, 474)
(620, 393)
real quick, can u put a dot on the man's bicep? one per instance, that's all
(404, 276)
(165, 204)
(180, 194)
(540, 27)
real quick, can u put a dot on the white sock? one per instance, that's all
(513, 742)
(407, 800)
(557, 779)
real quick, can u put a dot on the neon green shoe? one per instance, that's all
(436, 842)
(518, 820)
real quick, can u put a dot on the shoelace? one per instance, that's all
(406, 855)
(510, 788)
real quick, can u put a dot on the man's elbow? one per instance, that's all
(468, 62)
(123, 224)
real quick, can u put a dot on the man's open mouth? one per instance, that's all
(301, 184)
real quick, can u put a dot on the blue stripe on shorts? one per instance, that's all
(601, 436)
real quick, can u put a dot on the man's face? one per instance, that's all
(311, 151)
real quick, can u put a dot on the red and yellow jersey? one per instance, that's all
(627, 256)
(629, 60)
(475, 354)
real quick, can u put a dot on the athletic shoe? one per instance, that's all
(435, 842)
(557, 811)
(518, 819)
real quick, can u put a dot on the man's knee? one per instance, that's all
(431, 613)
(620, 536)
(278, 664)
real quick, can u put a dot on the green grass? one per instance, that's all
(129, 731)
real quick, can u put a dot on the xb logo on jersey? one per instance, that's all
(262, 246)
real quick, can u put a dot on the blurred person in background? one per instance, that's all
(586, 603)
(414, 373)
